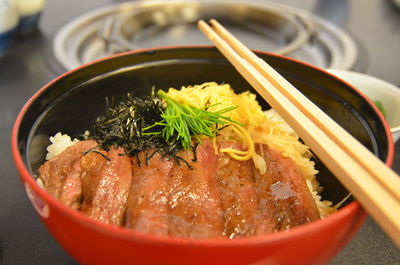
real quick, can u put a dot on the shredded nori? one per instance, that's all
(157, 123)
(122, 124)
(93, 150)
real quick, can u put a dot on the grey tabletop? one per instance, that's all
(26, 67)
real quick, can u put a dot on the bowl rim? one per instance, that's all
(120, 232)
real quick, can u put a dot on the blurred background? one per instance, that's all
(40, 40)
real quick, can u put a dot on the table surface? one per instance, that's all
(25, 68)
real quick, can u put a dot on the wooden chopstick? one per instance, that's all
(375, 185)
(336, 132)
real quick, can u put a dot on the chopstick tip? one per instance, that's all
(201, 23)
(211, 23)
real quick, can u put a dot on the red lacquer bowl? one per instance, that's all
(71, 102)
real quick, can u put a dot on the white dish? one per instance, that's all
(377, 90)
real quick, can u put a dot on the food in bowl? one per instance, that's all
(380, 107)
(385, 96)
(199, 162)
(71, 103)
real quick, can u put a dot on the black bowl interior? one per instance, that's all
(71, 104)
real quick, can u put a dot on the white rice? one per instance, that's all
(272, 115)
(59, 143)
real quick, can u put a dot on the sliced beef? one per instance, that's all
(71, 190)
(105, 185)
(195, 195)
(194, 204)
(284, 198)
(147, 209)
(61, 174)
(238, 193)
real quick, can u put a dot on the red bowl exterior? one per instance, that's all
(91, 242)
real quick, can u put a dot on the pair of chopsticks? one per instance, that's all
(374, 185)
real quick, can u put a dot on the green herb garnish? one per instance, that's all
(379, 105)
(181, 122)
